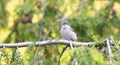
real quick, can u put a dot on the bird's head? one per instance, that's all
(64, 22)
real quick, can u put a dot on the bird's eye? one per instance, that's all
(64, 23)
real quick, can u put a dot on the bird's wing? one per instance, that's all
(70, 35)
(75, 32)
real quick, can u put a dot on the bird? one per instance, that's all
(67, 32)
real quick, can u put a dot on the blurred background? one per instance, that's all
(38, 20)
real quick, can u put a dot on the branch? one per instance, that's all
(47, 34)
(109, 50)
(49, 31)
(62, 53)
(41, 21)
(47, 42)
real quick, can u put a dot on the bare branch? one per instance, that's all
(62, 53)
(49, 30)
(109, 50)
(41, 21)
(43, 43)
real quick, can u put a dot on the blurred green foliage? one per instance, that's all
(3, 13)
(90, 24)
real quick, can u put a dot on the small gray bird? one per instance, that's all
(67, 32)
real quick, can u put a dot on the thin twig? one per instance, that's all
(62, 53)
(109, 50)
(49, 30)
(71, 45)
(72, 48)
(41, 21)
